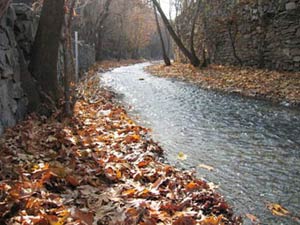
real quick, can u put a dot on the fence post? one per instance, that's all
(76, 56)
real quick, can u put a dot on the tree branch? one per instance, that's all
(194, 60)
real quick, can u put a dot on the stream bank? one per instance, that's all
(277, 87)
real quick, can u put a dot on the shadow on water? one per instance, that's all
(254, 146)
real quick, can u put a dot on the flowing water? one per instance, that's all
(253, 146)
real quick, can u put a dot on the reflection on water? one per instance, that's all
(253, 146)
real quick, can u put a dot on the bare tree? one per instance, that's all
(232, 29)
(165, 56)
(231, 24)
(194, 60)
(93, 15)
(99, 25)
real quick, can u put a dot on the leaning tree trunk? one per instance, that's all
(165, 56)
(3, 7)
(193, 59)
(45, 52)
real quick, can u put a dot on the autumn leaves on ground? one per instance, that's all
(278, 87)
(97, 167)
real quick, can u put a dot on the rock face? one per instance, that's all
(265, 33)
(17, 32)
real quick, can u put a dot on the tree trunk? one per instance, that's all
(169, 43)
(165, 56)
(120, 39)
(194, 60)
(67, 80)
(104, 14)
(67, 43)
(99, 45)
(192, 45)
(232, 41)
(45, 50)
(204, 60)
(3, 7)
(99, 28)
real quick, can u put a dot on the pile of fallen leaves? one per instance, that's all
(97, 167)
(272, 85)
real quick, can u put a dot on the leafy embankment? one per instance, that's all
(272, 85)
(97, 167)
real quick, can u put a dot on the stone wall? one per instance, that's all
(18, 89)
(266, 33)
(17, 32)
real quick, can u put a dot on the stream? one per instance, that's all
(253, 145)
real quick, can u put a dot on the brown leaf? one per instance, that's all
(132, 212)
(143, 163)
(213, 220)
(72, 180)
(129, 192)
(253, 218)
(144, 194)
(277, 209)
(192, 186)
(132, 138)
(118, 174)
(86, 217)
(185, 220)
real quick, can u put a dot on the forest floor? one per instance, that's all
(277, 87)
(97, 167)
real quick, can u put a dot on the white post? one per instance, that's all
(76, 55)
